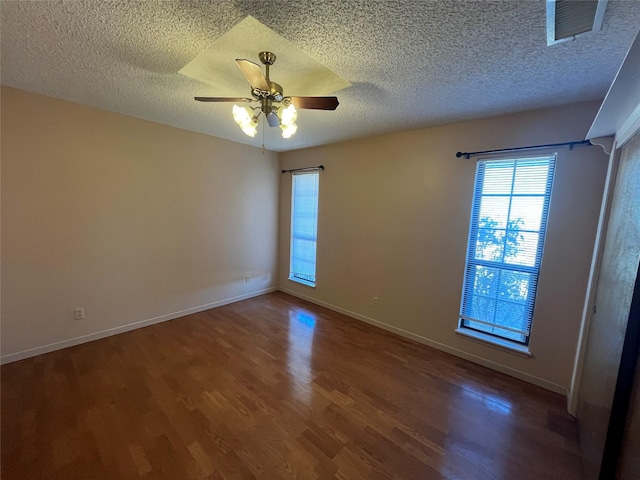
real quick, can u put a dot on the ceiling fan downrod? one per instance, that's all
(275, 93)
(267, 59)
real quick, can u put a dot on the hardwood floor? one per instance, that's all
(270, 388)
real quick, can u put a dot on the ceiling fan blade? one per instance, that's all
(273, 120)
(253, 74)
(317, 103)
(222, 99)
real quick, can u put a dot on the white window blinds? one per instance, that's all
(506, 238)
(304, 226)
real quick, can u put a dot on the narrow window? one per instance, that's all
(304, 227)
(506, 238)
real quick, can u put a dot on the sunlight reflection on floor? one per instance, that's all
(300, 352)
(491, 402)
(481, 432)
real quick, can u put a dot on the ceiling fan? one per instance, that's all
(280, 111)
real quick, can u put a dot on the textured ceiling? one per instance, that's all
(411, 63)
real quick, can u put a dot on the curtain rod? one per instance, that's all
(319, 167)
(468, 155)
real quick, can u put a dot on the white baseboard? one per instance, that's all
(32, 352)
(541, 382)
(14, 357)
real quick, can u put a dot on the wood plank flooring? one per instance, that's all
(275, 388)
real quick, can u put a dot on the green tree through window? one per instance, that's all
(508, 221)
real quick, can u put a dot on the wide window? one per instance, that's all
(506, 238)
(304, 228)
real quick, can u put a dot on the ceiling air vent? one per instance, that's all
(566, 19)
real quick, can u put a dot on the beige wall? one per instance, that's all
(129, 219)
(393, 221)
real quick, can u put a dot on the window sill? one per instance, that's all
(506, 345)
(303, 282)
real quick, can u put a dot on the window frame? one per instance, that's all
(464, 321)
(292, 275)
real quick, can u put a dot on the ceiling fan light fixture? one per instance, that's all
(289, 115)
(288, 130)
(246, 120)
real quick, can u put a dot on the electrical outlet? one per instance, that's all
(375, 301)
(247, 278)
(78, 314)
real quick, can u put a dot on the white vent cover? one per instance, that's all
(566, 19)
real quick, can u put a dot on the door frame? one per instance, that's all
(616, 123)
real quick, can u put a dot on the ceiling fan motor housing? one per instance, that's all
(275, 92)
